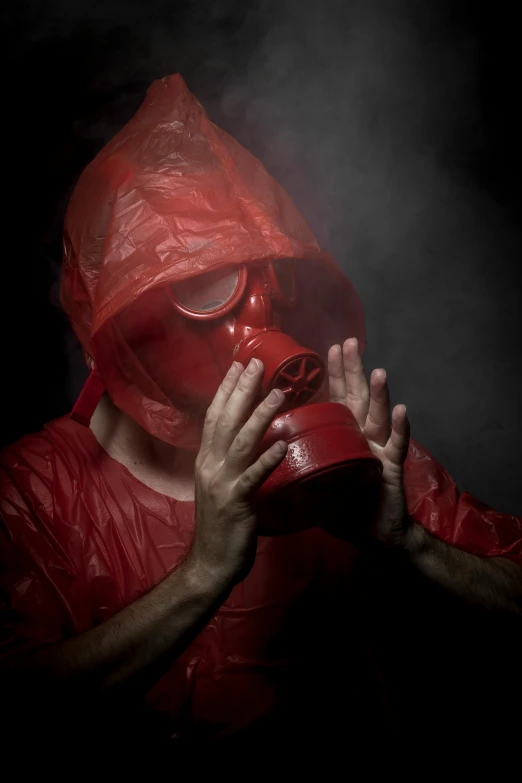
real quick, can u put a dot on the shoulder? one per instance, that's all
(41, 541)
(39, 470)
(62, 436)
(36, 461)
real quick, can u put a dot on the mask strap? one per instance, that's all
(89, 398)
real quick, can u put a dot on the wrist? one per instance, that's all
(400, 544)
(415, 541)
(205, 578)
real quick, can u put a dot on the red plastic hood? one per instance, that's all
(172, 196)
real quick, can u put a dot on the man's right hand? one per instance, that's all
(229, 471)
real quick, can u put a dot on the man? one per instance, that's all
(132, 563)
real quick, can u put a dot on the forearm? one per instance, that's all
(492, 582)
(140, 641)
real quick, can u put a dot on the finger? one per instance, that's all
(237, 408)
(336, 379)
(357, 393)
(396, 448)
(257, 474)
(245, 446)
(377, 427)
(227, 386)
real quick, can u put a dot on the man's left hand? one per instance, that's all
(388, 441)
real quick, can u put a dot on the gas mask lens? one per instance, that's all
(209, 292)
(215, 293)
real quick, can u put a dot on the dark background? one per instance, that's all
(392, 125)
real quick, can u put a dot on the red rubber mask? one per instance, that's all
(186, 335)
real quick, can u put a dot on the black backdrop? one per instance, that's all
(393, 126)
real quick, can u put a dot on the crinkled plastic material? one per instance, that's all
(170, 197)
(82, 538)
(459, 519)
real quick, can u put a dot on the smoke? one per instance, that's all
(368, 112)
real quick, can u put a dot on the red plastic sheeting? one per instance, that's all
(459, 519)
(82, 538)
(170, 197)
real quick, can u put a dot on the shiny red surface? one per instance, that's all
(324, 443)
(170, 197)
(80, 537)
(187, 358)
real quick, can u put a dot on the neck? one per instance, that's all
(156, 464)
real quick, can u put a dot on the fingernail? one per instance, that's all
(275, 397)
(234, 367)
(252, 367)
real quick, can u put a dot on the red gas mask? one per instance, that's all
(181, 254)
(185, 337)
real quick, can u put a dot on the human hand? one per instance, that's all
(229, 472)
(388, 442)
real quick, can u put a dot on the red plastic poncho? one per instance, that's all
(169, 197)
